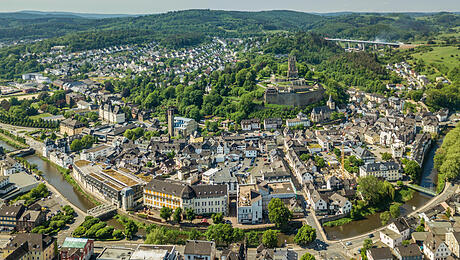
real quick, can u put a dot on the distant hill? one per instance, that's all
(26, 14)
(181, 28)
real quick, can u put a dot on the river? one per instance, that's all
(430, 174)
(52, 175)
(55, 178)
(428, 180)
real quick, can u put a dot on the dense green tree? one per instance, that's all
(221, 233)
(386, 156)
(385, 217)
(413, 170)
(189, 214)
(305, 235)
(253, 238)
(278, 213)
(130, 229)
(270, 238)
(165, 213)
(217, 218)
(177, 215)
(367, 244)
(157, 236)
(307, 256)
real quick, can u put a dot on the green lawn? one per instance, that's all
(447, 56)
(40, 116)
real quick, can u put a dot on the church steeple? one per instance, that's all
(331, 103)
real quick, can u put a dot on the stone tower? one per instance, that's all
(331, 103)
(171, 122)
(292, 72)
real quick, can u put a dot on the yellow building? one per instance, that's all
(203, 199)
(30, 246)
(71, 127)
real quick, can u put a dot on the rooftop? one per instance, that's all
(73, 242)
(152, 252)
(115, 178)
(281, 187)
(118, 253)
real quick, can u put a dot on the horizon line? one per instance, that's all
(230, 10)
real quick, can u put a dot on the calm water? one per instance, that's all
(7, 146)
(428, 180)
(372, 222)
(54, 177)
(430, 174)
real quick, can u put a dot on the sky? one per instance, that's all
(160, 6)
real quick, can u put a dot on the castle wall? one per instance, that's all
(295, 99)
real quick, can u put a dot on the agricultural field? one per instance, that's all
(443, 58)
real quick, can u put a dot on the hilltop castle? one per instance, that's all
(291, 90)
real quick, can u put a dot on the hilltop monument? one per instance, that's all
(292, 90)
(292, 72)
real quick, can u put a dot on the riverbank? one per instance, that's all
(68, 177)
(12, 142)
(403, 194)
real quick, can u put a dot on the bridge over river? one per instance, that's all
(422, 189)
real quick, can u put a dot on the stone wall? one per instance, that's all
(295, 99)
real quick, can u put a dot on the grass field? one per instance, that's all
(40, 116)
(443, 58)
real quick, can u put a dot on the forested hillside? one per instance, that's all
(356, 69)
(182, 28)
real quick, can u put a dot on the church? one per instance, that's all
(323, 113)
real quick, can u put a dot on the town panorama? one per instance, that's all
(228, 135)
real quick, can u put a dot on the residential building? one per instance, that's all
(272, 123)
(199, 250)
(364, 154)
(250, 152)
(395, 233)
(203, 199)
(434, 248)
(100, 151)
(250, 124)
(235, 251)
(453, 242)
(5, 185)
(301, 119)
(430, 125)
(339, 204)
(382, 253)
(119, 187)
(76, 249)
(387, 170)
(263, 253)
(72, 98)
(33, 246)
(64, 160)
(317, 201)
(397, 149)
(112, 114)
(408, 252)
(30, 219)
(71, 127)
(9, 166)
(184, 126)
(249, 209)
(9, 216)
